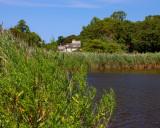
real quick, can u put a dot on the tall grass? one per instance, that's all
(45, 89)
(101, 61)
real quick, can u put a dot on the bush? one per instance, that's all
(113, 47)
(94, 46)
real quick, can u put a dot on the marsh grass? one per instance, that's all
(47, 89)
(103, 61)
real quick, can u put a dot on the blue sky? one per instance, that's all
(66, 17)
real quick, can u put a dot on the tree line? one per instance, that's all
(22, 31)
(116, 34)
(111, 34)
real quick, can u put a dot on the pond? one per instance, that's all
(137, 96)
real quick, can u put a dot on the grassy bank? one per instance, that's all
(46, 89)
(100, 61)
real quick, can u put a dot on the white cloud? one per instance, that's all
(63, 3)
(113, 1)
(73, 4)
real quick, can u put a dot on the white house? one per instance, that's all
(62, 48)
(75, 45)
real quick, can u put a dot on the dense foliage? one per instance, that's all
(46, 89)
(120, 15)
(112, 34)
(21, 30)
(140, 36)
(66, 40)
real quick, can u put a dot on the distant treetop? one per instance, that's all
(120, 15)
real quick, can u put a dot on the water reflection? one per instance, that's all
(137, 96)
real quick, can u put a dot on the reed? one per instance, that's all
(103, 61)
(47, 89)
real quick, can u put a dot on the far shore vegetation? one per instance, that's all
(103, 61)
(114, 34)
(111, 43)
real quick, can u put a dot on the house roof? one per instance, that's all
(61, 47)
(74, 45)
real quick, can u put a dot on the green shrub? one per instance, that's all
(94, 46)
(113, 47)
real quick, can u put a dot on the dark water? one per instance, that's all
(137, 96)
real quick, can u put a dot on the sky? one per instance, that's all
(67, 17)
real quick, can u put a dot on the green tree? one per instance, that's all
(94, 46)
(22, 31)
(96, 30)
(113, 47)
(129, 28)
(33, 38)
(94, 20)
(145, 38)
(60, 40)
(17, 32)
(120, 15)
(69, 39)
(22, 26)
(147, 41)
(108, 27)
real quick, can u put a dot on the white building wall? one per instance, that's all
(70, 49)
(75, 42)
